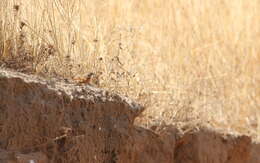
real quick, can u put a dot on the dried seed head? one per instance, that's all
(16, 8)
(22, 24)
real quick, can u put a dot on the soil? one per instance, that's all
(57, 121)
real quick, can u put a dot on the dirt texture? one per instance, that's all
(57, 121)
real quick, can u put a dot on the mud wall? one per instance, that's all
(60, 122)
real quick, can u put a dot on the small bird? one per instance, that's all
(85, 79)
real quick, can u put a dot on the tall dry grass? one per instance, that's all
(195, 62)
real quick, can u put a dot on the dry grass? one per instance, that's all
(189, 61)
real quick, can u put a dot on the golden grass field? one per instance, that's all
(193, 62)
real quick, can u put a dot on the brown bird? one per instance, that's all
(85, 79)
